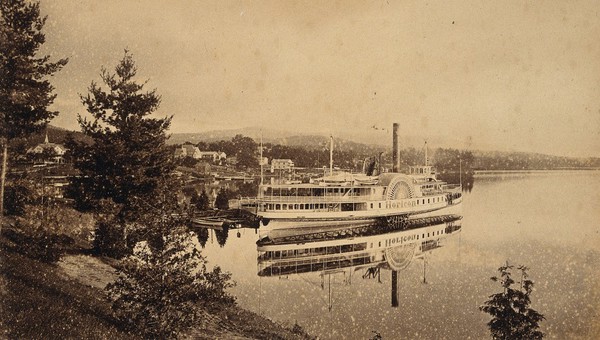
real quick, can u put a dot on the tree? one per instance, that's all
(245, 148)
(128, 159)
(222, 200)
(25, 93)
(201, 201)
(512, 317)
(163, 289)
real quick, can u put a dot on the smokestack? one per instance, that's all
(396, 150)
(394, 288)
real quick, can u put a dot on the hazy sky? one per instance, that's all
(521, 75)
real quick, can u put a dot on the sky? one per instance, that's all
(510, 75)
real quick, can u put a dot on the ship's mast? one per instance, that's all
(426, 158)
(261, 160)
(331, 155)
(460, 172)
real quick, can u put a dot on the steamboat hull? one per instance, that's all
(353, 219)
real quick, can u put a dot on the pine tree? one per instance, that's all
(127, 169)
(222, 199)
(203, 202)
(128, 161)
(512, 317)
(25, 93)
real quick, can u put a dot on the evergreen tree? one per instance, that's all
(203, 203)
(222, 200)
(512, 317)
(128, 161)
(126, 170)
(25, 93)
(162, 290)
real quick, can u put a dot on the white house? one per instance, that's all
(48, 152)
(281, 164)
(214, 156)
(188, 150)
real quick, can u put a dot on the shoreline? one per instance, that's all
(493, 172)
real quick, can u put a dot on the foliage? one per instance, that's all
(42, 233)
(248, 189)
(188, 161)
(245, 151)
(512, 317)
(162, 290)
(376, 336)
(495, 160)
(25, 94)
(222, 199)
(128, 160)
(18, 195)
(201, 202)
(109, 239)
(221, 235)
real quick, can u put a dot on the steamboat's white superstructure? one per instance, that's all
(346, 199)
(350, 199)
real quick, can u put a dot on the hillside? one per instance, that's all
(376, 138)
(55, 135)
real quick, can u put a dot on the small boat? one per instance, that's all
(209, 222)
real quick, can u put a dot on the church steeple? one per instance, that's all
(46, 140)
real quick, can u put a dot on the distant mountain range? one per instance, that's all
(367, 140)
(374, 138)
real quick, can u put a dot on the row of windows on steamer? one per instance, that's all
(341, 249)
(325, 206)
(333, 191)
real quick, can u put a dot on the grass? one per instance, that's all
(39, 301)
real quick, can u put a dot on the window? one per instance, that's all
(371, 205)
(277, 207)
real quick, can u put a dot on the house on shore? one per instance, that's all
(282, 164)
(47, 153)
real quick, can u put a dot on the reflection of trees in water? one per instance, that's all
(222, 235)
(468, 179)
(202, 234)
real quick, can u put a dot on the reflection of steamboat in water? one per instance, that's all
(356, 199)
(369, 247)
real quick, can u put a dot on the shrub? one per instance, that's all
(41, 234)
(512, 317)
(162, 290)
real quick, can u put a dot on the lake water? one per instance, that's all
(549, 222)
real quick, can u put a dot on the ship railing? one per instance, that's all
(452, 188)
(320, 199)
(312, 259)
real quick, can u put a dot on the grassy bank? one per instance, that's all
(66, 300)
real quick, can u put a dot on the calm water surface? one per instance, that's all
(549, 222)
